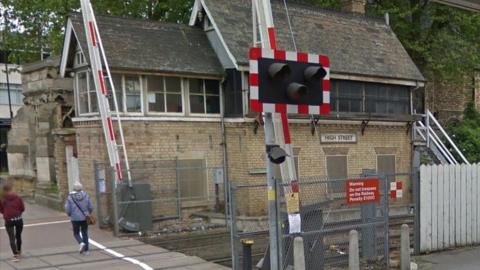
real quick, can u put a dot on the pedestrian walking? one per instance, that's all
(79, 208)
(12, 208)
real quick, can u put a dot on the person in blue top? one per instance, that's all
(78, 206)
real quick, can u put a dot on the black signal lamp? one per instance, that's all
(296, 90)
(314, 73)
(276, 154)
(279, 71)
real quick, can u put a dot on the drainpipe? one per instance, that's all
(226, 191)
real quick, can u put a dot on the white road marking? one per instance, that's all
(96, 244)
(119, 255)
(41, 224)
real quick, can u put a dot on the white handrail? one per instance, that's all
(430, 115)
(437, 138)
(441, 147)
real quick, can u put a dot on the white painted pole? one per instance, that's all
(353, 251)
(298, 254)
(405, 248)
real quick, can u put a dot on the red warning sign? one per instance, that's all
(363, 191)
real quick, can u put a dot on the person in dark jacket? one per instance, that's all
(12, 207)
(78, 206)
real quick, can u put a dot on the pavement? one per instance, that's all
(48, 244)
(458, 259)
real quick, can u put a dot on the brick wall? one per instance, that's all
(154, 140)
(449, 100)
(246, 155)
(161, 143)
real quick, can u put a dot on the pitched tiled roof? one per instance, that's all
(152, 46)
(356, 45)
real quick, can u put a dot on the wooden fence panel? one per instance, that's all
(449, 206)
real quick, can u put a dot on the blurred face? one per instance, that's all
(7, 188)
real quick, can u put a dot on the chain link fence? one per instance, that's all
(326, 219)
(161, 193)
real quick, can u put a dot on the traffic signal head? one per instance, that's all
(290, 82)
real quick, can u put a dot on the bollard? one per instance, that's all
(405, 248)
(298, 254)
(247, 254)
(353, 252)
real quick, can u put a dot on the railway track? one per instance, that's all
(214, 245)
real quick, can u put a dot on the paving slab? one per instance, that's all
(29, 263)
(5, 266)
(52, 247)
(60, 259)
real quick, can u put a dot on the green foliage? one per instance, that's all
(33, 25)
(441, 40)
(466, 133)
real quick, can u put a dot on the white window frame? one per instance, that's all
(124, 110)
(220, 99)
(79, 58)
(245, 92)
(182, 94)
(15, 91)
(207, 24)
(77, 94)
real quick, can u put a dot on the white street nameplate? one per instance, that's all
(338, 138)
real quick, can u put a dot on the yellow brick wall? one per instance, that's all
(155, 140)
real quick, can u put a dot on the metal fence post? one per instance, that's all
(387, 220)
(96, 169)
(179, 201)
(416, 200)
(116, 229)
(233, 227)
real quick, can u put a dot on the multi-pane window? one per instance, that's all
(92, 94)
(347, 96)
(374, 98)
(86, 94)
(164, 94)
(82, 92)
(117, 82)
(16, 97)
(133, 93)
(204, 96)
(384, 99)
(158, 94)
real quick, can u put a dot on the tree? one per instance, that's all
(466, 133)
(441, 40)
(32, 26)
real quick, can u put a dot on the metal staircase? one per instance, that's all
(428, 133)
